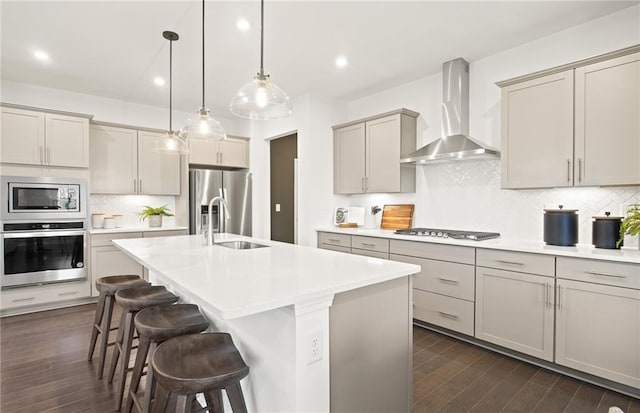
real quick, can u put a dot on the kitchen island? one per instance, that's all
(321, 331)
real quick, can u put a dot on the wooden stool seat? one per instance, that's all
(112, 284)
(107, 287)
(199, 363)
(132, 300)
(155, 325)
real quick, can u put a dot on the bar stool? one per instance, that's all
(107, 287)
(155, 325)
(132, 300)
(199, 363)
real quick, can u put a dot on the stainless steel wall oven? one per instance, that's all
(44, 237)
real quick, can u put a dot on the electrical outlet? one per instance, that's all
(315, 347)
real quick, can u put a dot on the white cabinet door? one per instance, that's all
(598, 330)
(382, 165)
(67, 139)
(22, 137)
(515, 310)
(537, 132)
(234, 152)
(114, 164)
(607, 130)
(349, 159)
(110, 260)
(202, 152)
(158, 173)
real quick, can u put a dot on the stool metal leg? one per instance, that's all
(234, 392)
(126, 353)
(97, 320)
(141, 359)
(104, 334)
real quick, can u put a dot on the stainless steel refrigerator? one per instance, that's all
(233, 186)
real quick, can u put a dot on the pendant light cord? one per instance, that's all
(262, 37)
(170, 84)
(203, 53)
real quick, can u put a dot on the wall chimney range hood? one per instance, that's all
(455, 143)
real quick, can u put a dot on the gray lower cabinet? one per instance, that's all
(444, 290)
(354, 244)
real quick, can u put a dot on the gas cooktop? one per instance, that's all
(448, 233)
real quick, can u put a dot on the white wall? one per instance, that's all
(467, 194)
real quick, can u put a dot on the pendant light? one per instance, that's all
(203, 126)
(171, 142)
(261, 99)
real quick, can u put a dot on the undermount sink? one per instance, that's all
(240, 245)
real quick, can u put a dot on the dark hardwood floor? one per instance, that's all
(43, 368)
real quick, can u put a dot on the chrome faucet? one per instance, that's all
(224, 207)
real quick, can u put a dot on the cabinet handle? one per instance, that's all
(579, 169)
(68, 293)
(17, 300)
(334, 240)
(140, 186)
(604, 274)
(135, 185)
(448, 280)
(366, 184)
(41, 155)
(511, 263)
(221, 154)
(448, 315)
(569, 170)
(559, 294)
(364, 244)
(48, 157)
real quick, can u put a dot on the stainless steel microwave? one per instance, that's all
(38, 198)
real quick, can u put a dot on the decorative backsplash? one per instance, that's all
(130, 205)
(467, 195)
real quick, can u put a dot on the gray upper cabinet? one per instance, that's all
(576, 125)
(367, 154)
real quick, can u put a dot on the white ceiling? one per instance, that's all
(115, 49)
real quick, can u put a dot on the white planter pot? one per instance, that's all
(155, 220)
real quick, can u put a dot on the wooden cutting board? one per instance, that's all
(397, 216)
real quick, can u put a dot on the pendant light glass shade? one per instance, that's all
(261, 99)
(170, 142)
(202, 126)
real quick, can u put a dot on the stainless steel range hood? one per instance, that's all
(455, 143)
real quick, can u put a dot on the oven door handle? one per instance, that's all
(41, 234)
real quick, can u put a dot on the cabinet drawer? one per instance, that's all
(334, 239)
(101, 240)
(370, 243)
(335, 248)
(367, 253)
(441, 277)
(516, 261)
(453, 253)
(443, 311)
(165, 233)
(43, 294)
(619, 274)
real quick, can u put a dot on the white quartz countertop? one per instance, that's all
(238, 283)
(631, 255)
(134, 228)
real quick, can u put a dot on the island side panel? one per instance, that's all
(371, 345)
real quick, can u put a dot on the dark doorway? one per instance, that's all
(284, 152)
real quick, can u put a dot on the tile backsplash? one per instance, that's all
(130, 205)
(467, 195)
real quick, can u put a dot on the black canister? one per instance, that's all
(561, 227)
(606, 231)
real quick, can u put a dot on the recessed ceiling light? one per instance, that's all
(158, 81)
(341, 61)
(41, 55)
(243, 24)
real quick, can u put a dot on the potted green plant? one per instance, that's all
(630, 223)
(154, 214)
